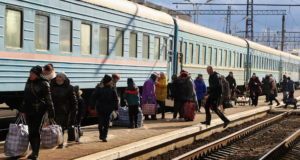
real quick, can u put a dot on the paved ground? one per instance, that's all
(119, 136)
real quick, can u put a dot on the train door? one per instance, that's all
(170, 56)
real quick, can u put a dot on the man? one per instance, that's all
(161, 92)
(266, 87)
(178, 95)
(215, 86)
(232, 83)
(291, 90)
(284, 87)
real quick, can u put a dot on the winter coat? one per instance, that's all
(231, 81)
(258, 89)
(37, 98)
(189, 89)
(161, 89)
(177, 91)
(291, 86)
(266, 85)
(273, 88)
(215, 85)
(81, 106)
(225, 91)
(149, 92)
(64, 100)
(50, 76)
(132, 95)
(105, 99)
(284, 84)
(201, 89)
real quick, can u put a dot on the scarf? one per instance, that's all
(50, 76)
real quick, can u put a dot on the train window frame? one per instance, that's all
(225, 58)
(165, 49)
(21, 27)
(209, 55)
(148, 44)
(107, 42)
(215, 55)
(197, 56)
(237, 60)
(91, 29)
(229, 59)
(122, 44)
(241, 60)
(48, 33)
(135, 42)
(71, 35)
(203, 50)
(156, 47)
(191, 53)
(220, 57)
(184, 47)
(233, 56)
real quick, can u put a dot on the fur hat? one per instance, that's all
(37, 70)
(107, 79)
(62, 74)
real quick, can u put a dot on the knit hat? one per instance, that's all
(184, 74)
(162, 73)
(37, 70)
(129, 81)
(253, 75)
(76, 88)
(174, 76)
(222, 77)
(289, 78)
(107, 79)
(62, 74)
(153, 77)
(200, 75)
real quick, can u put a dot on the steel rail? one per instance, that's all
(213, 146)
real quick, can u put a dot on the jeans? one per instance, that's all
(284, 95)
(178, 107)
(133, 113)
(103, 124)
(214, 102)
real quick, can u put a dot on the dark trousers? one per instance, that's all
(200, 103)
(291, 94)
(254, 99)
(79, 120)
(214, 102)
(178, 107)
(273, 98)
(232, 92)
(162, 107)
(34, 126)
(103, 124)
(133, 113)
(267, 97)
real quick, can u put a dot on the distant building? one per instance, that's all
(163, 9)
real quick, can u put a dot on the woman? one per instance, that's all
(161, 92)
(255, 90)
(37, 100)
(132, 99)
(201, 89)
(148, 95)
(225, 93)
(189, 89)
(48, 72)
(64, 100)
(81, 109)
(273, 91)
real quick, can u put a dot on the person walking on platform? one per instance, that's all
(215, 87)
(189, 89)
(37, 101)
(105, 99)
(284, 87)
(232, 83)
(64, 100)
(148, 95)
(81, 109)
(201, 89)
(273, 91)
(255, 89)
(132, 98)
(161, 92)
(178, 95)
(225, 93)
(291, 87)
(48, 72)
(266, 87)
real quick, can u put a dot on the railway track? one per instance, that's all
(225, 147)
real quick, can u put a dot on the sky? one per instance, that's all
(261, 22)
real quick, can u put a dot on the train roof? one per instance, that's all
(134, 9)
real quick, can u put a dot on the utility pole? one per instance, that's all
(282, 36)
(228, 30)
(249, 21)
(268, 34)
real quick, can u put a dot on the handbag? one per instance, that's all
(51, 136)
(17, 139)
(149, 109)
(227, 104)
(169, 103)
(73, 132)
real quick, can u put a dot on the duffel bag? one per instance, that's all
(189, 110)
(123, 119)
(51, 136)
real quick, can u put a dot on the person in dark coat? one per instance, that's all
(132, 99)
(255, 90)
(64, 100)
(215, 87)
(178, 95)
(37, 101)
(225, 93)
(106, 99)
(232, 83)
(284, 87)
(273, 92)
(201, 89)
(291, 87)
(266, 87)
(189, 89)
(81, 108)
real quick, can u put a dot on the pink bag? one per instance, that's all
(149, 109)
(189, 110)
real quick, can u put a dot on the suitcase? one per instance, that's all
(189, 110)
(169, 103)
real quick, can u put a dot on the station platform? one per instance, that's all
(121, 137)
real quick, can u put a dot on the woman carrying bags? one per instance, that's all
(132, 99)
(37, 100)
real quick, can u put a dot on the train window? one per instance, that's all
(215, 56)
(13, 28)
(86, 39)
(156, 48)
(65, 36)
(241, 60)
(133, 45)
(220, 57)
(237, 60)
(103, 46)
(209, 55)
(179, 51)
(229, 59)
(197, 54)
(191, 53)
(41, 32)
(165, 49)
(145, 47)
(203, 55)
(184, 53)
(119, 43)
(225, 58)
(170, 45)
(233, 59)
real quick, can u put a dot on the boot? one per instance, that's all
(35, 145)
(131, 125)
(153, 117)
(135, 125)
(147, 117)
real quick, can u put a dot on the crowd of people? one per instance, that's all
(52, 94)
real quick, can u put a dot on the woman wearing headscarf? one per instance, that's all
(132, 99)
(64, 100)
(273, 91)
(37, 100)
(255, 90)
(148, 95)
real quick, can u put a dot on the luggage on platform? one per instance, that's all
(17, 139)
(189, 110)
(123, 119)
(149, 109)
(51, 136)
(227, 104)
(73, 132)
(169, 103)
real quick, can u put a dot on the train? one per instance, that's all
(89, 38)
